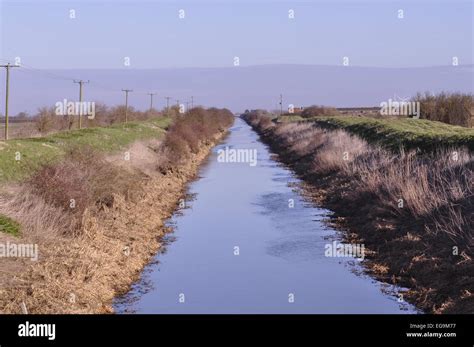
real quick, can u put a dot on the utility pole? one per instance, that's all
(126, 102)
(7, 67)
(167, 103)
(80, 82)
(281, 104)
(192, 101)
(151, 100)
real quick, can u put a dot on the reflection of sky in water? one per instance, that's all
(281, 249)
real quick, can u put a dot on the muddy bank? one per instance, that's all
(414, 252)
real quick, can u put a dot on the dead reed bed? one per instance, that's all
(414, 210)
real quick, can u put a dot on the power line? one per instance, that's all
(27, 68)
(103, 87)
(54, 75)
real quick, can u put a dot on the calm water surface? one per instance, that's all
(281, 249)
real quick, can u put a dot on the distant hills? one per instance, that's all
(237, 88)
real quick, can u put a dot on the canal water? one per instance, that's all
(247, 242)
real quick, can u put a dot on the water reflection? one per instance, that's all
(248, 240)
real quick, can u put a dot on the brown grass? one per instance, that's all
(39, 220)
(92, 253)
(414, 242)
(82, 180)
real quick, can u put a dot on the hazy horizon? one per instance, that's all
(237, 89)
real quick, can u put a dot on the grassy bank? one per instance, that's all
(398, 132)
(96, 215)
(412, 210)
(21, 157)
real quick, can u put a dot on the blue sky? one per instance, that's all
(214, 32)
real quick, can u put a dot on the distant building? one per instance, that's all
(297, 110)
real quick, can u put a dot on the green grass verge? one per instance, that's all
(286, 119)
(34, 152)
(9, 226)
(404, 132)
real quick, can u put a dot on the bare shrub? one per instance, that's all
(82, 180)
(319, 111)
(265, 123)
(117, 114)
(255, 117)
(189, 132)
(173, 151)
(102, 117)
(45, 120)
(451, 108)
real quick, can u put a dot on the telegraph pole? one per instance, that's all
(7, 67)
(151, 100)
(126, 102)
(80, 82)
(167, 103)
(281, 104)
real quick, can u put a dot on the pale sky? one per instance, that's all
(151, 34)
